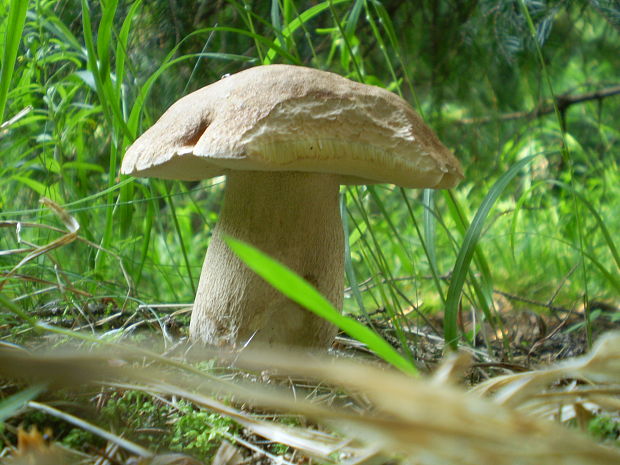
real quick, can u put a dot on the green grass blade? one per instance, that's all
(379, 35)
(354, 58)
(300, 291)
(390, 32)
(248, 16)
(276, 46)
(98, 62)
(104, 36)
(177, 229)
(276, 21)
(139, 103)
(388, 219)
(612, 278)
(393, 303)
(348, 263)
(169, 61)
(483, 287)
(429, 227)
(290, 11)
(350, 25)
(13, 404)
(123, 213)
(609, 240)
(57, 28)
(121, 46)
(102, 79)
(16, 21)
(147, 229)
(467, 250)
(429, 248)
(595, 214)
(566, 155)
(15, 309)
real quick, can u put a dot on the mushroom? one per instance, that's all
(286, 137)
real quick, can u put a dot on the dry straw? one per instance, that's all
(421, 421)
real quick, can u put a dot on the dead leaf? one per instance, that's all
(227, 454)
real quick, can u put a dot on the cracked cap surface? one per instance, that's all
(292, 118)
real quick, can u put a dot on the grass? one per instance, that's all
(99, 75)
(535, 217)
(300, 291)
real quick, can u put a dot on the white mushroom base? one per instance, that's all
(293, 217)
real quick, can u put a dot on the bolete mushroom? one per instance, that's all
(286, 137)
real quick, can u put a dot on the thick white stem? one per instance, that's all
(294, 218)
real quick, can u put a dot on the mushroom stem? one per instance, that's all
(293, 217)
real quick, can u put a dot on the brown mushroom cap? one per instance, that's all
(292, 118)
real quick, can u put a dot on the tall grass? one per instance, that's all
(12, 32)
(89, 78)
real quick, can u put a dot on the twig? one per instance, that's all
(552, 307)
(561, 101)
(71, 419)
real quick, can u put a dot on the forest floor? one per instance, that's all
(536, 341)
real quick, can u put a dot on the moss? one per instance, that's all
(200, 432)
(605, 427)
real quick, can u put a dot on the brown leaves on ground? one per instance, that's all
(34, 448)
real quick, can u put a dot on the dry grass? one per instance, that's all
(506, 420)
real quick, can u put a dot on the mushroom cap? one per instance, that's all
(293, 118)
